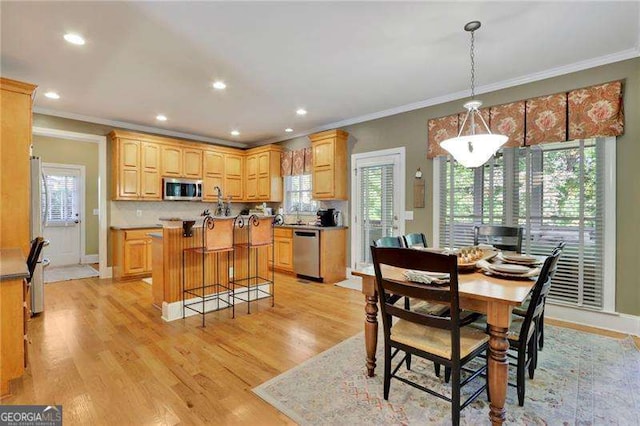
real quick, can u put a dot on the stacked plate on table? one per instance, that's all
(426, 277)
(519, 259)
(509, 270)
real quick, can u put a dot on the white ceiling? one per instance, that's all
(341, 61)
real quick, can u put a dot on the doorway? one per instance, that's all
(378, 197)
(64, 212)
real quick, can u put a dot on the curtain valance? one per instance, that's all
(578, 114)
(298, 162)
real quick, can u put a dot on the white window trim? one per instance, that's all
(609, 220)
(355, 158)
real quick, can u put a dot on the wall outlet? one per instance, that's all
(139, 213)
(96, 212)
(408, 215)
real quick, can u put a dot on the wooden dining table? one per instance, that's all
(478, 292)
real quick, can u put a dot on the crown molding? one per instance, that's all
(518, 81)
(137, 127)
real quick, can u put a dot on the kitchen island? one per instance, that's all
(168, 271)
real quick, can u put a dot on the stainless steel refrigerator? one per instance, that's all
(38, 216)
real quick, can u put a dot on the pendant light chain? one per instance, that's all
(473, 65)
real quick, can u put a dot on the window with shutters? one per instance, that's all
(555, 192)
(297, 196)
(61, 198)
(377, 205)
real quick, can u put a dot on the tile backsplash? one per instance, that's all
(126, 212)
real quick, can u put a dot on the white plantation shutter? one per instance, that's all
(62, 199)
(554, 191)
(376, 208)
(298, 194)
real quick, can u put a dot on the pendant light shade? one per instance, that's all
(475, 149)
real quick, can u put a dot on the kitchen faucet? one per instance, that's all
(220, 205)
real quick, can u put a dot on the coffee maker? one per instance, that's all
(326, 217)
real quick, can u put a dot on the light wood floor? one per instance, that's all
(101, 350)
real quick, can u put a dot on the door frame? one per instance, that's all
(81, 202)
(402, 174)
(104, 270)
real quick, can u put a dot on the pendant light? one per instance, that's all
(475, 149)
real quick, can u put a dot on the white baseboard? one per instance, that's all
(613, 321)
(106, 272)
(89, 258)
(173, 311)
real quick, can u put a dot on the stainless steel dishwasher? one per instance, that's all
(306, 252)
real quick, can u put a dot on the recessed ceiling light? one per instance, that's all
(301, 111)
(235, 133)
(219, 85)
(161, 117)
(288, 130)
(52, 95)
(74, 38)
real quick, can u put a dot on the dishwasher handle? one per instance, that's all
(307, 234)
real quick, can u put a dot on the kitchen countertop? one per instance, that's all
(314, 227)
(155, 234)
(13, 264)
(127, 227)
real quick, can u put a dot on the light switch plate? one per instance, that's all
(96, 212)
(139, 213)
(408, 215)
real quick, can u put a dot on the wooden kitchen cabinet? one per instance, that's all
(172, 161)
(132, 253)
(263, 179)
(212, 174)
(329, 173)
(151, 181)
(126, 168)
(282, 254)
(192, 165)
(233, 176)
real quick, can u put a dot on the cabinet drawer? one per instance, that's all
(283, 232)
(139, 234)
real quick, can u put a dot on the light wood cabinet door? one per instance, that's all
(213, 163)
(233, 187)
(323, 153)
(264, 164)
(192, 166)
(252, 188)
(283, 253)
(129, 183)
(263, 188)
(323, 183)
(171, 161)
(129, 153)
(208, 188)
(252, 165)
(150, 187)
(128, 168)
(135, 257)
(329, 165)
(233, 165)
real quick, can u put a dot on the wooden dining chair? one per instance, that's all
(523, 332)
(389, 242)
(415, 240)
(507, 238)
(521, 311)
(435, 338)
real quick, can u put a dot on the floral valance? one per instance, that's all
(590, 112)
(294, 163)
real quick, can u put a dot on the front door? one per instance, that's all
(378, 202)
(63, 203)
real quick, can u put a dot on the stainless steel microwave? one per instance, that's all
(181, 189)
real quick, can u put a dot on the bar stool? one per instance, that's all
(217, 239)
(252, 236)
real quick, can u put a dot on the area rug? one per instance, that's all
(68, 272)
(352, 283)
(581, 379)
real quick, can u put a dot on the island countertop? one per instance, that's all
(129, 227)
(13, 264)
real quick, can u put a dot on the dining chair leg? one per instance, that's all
(447, 374)
(541, 331)
(408, 361)
(487, 377)
(533, 354)
(387, 370)
(455, 396)
(436, 367)
(520, 374)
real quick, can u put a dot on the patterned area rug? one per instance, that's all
(69, 272)
(581, 379)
